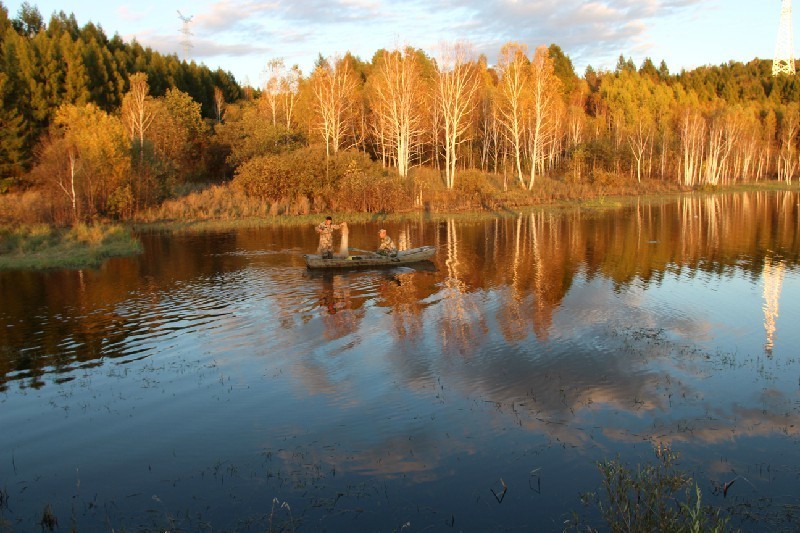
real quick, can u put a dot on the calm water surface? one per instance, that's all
(214, 383)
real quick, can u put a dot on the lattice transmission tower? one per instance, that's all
(186, 42)
(784, 48)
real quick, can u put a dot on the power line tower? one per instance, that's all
(784, 48)
(186, 41)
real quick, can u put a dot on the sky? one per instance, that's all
(241, 36)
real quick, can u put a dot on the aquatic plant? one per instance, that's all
(652, 497)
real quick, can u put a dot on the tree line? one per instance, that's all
(108, 128)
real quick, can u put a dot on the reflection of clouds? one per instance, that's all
(414, 455)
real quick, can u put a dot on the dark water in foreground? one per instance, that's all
(214, 384)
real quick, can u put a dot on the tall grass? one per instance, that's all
(39, 246)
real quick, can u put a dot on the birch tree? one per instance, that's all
(789, 128)
(333, 85)
(138, 114)
(137, 110)
(290, 90)
(512, 89)
(397, 103)
(457, 86)
(692, 129)
(219, 104)
(723, 131)
(271, 86)
(545, 89)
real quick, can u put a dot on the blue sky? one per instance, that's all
(241, 36)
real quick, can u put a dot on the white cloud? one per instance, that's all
(252, 31)
(124, 12)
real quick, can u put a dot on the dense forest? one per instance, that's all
(94, 127)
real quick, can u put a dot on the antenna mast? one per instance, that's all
(784, 48)
(186, 41)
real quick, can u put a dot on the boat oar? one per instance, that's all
(362, 251)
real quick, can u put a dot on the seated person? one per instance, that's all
(387, 246)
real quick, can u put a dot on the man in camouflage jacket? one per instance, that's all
(325, 230)
(387, 246)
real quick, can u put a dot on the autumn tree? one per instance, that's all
(219, 103)
(333, 85)
(176, 135)
(512, 98)
(137, 114)
(457, 86)
(545, 109)
(249, 133)
(692, 132)
(789, 128)
(290, 91)
(397, 102)
(271, 87)
(85, 159)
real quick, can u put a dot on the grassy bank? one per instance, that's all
(220, 208)
(41, 246)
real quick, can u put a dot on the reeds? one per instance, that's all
(656, 496)
(39, 246)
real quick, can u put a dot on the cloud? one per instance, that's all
(587, 31)
(228, 16)
(595, 32)
(124, 12)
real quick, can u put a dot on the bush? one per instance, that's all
(29, 207)
(605, 178)
(305, 180)
(475, 188)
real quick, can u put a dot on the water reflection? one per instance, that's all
(773, 282)
(539, 340)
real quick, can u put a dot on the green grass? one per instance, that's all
(39, 246)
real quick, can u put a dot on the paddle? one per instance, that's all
(363, 251)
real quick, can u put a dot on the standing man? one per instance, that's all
(387, 246)
(325, 231)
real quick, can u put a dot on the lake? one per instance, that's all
(214, 383)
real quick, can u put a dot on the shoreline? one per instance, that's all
(615, 201)
(42, 247)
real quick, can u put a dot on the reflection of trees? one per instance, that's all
(339, 315)
(773, 281)
(532, 260)
(462, 320)
(510, 315)
(405, 297)
(524, 266)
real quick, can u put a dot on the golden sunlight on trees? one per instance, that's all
(334, 86)
(175, 132)
(457, 86)
(398, 104)
(138, 114)
(517, 129)
(84, 161)
(789, 127)
(219, 103)
(512, 101)
(271, 88)
(546, 109)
